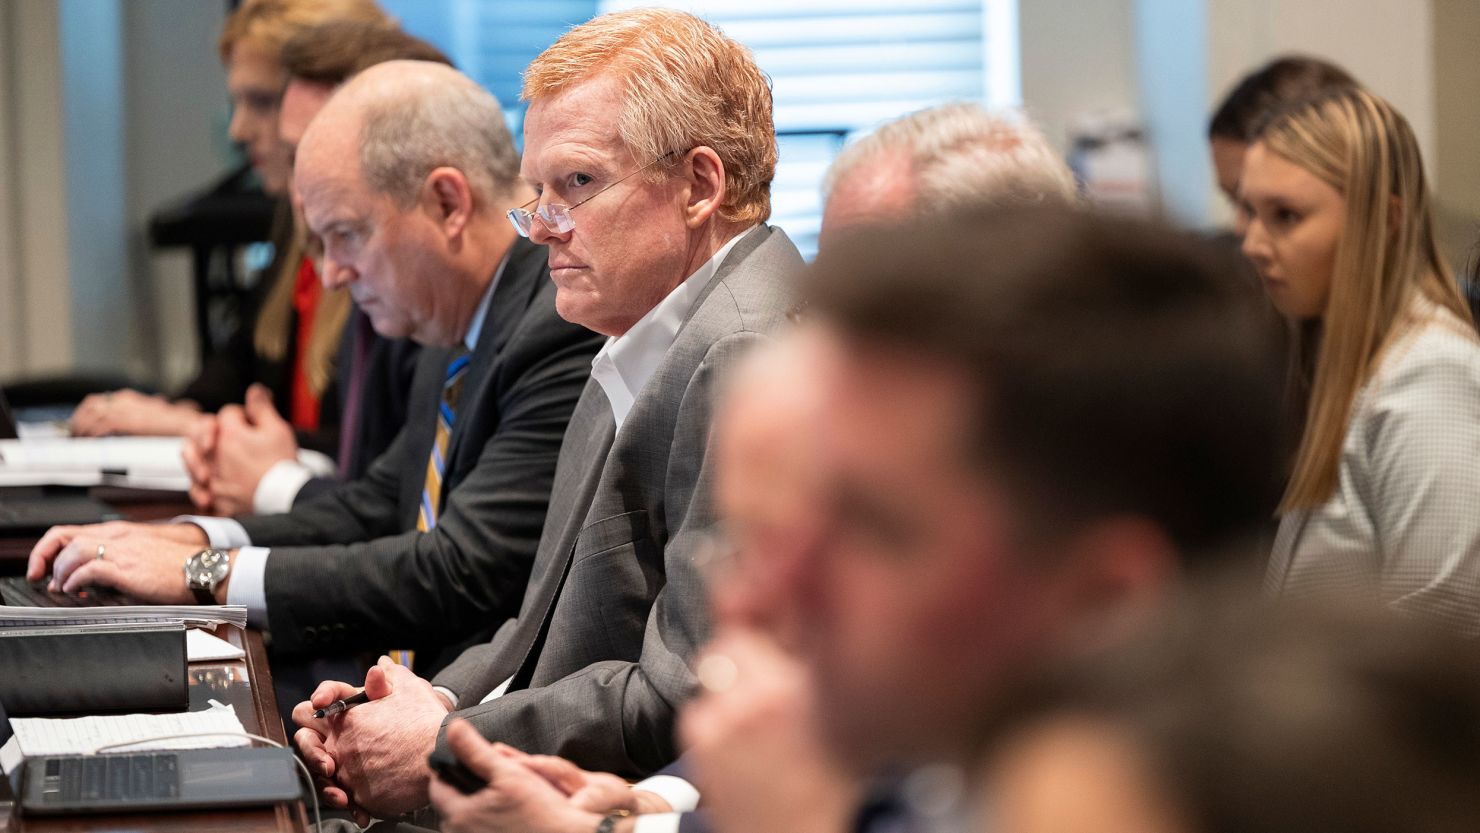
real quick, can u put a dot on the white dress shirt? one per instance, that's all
(625, 363)
(249, 566)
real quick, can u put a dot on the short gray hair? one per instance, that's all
(433, 122)
(961, 154)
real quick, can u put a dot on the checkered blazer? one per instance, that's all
(1403, 526)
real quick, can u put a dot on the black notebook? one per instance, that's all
(82, 669)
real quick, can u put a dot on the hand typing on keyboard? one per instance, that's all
(144, 561)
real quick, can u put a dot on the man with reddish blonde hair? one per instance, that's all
(683, 84)
(650, 144)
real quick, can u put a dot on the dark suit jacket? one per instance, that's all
(389, 369)
(348, 570)
(615, 606)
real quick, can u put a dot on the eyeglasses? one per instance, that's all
(557, 217)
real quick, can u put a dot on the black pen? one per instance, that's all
(340, 705)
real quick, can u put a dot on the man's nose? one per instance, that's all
(333, 274)
(543, 234)
(236, 129)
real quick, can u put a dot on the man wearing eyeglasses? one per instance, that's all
(649, 144)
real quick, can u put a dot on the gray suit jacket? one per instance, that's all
(615, 607)
(348, 569)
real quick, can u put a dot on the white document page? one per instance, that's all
(204, 647)
(83, 735)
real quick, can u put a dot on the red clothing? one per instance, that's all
(306, 293)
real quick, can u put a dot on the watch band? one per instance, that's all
(204, 596)
(608, 824)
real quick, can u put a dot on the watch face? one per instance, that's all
(206, 569)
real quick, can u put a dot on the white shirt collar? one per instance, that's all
(475, 328)
(625, 363)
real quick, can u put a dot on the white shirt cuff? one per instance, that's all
(279, 486)
(222, 533)
(448, 693)
(318, 463)
(248, 586)
(680, 794)
(656, 823)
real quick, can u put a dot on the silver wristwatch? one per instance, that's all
(204, 571)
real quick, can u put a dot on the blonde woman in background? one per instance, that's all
(1384, 499)
(289, 338)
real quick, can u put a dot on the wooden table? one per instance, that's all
(245, 684)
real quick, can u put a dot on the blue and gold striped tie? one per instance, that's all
(431, 490)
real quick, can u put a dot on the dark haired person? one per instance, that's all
(1281, 81)
(1263, 720)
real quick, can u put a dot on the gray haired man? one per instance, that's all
(407, 183)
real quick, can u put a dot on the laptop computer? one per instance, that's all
(26, 510)
(186, 779)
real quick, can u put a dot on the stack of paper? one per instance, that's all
(202, 647)
(85, 735)
(191, 615)
(141, 462)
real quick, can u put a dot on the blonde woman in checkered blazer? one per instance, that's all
(1384, 499)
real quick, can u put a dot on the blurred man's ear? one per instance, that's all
(1115, 575)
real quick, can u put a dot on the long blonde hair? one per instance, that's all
(1386, 259)
(274, 329)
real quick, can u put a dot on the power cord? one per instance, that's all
(313, 792)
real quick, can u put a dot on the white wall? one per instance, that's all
(1077, 57)
(1171, 47)
(10, 308)
(108, 108)
(1457, 126)
(1389, 45)
(175, 132)
(38, 292)
(104, 307)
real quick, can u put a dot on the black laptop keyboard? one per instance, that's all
(21, 593)
(141, 777)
